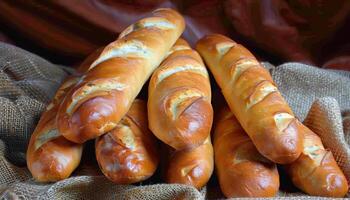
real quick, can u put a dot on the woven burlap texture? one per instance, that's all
(27, 82)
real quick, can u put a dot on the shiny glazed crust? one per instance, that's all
(253, 98)
(179, 99)
(105, 93)
(316, 172)
(50, 156)
(242, 171)
(191, 166)
(129, 153)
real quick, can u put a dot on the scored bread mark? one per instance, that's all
(315, 152)
(173, 70)
(70, 82)
(180, 48)
(107, 126)
(182, 100)
(241, 66)
(186, 170)
(242, 155)
(282, 120)
(155, 22)
(46, 137)
(207, 141)
(261, 91)
(239, 159)
(126, 31)
(224, 47)
(130, 48)
(88, 89)
(177, 48)
(50, 106)
(238, 68)
(126, 137)
(312, 151)
(61, 91)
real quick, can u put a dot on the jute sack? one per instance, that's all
(27, 82)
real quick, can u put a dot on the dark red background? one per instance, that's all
(65, 31)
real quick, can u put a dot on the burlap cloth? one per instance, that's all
(27, 82)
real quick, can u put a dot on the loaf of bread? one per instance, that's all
(105, 93)
(128, 153)
(190, 166)
(253, 98)
(242, 171)
(50, 156)
(179, 99)
(316, 172)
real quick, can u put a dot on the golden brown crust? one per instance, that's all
(50, 156)
(242, 171)
(191, 166)
(253, 98)
(128, 154)
(179, 99)
(105, 93)
(315, 171)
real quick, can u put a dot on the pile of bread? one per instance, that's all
(256, 130)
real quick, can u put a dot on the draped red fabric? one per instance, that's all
(65, 31)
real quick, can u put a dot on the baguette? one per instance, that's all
(179, 108)
(242, 171)
(315, 171)
(105, 93)
(129, 153)
(191, 166)
(253, 98)
(50, 156)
